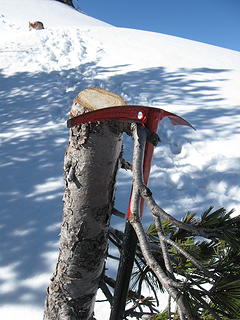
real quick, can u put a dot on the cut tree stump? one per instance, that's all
(90, 166)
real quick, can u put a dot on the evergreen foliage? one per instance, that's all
(220, 255)
(212, 291)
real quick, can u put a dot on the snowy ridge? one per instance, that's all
(51, 12)
(40, 74)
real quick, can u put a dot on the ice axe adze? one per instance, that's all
(149, 117)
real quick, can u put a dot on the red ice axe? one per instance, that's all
(149, 117)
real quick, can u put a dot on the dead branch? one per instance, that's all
(159, 212)
(173, 287)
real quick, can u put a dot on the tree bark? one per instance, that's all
(90, 167)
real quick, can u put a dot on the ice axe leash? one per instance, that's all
(149, 117)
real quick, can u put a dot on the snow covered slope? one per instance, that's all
(40, 74)
(50, 12)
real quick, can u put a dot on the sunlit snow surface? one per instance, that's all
(40, 74)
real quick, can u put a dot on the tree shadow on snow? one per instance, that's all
(33, 111)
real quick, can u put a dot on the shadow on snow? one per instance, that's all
(33, 110)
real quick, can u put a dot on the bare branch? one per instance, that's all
(118, 213)
(187, 255)
(161, 237)
(103, 286)
(170, 285)
(166, 256)
(159, 212)
(140, 138)
(125, 164)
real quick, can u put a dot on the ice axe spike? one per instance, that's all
(149, 117)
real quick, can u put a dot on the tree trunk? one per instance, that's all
(90, 167)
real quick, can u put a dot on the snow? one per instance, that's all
(53, 13)
(40, 74)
